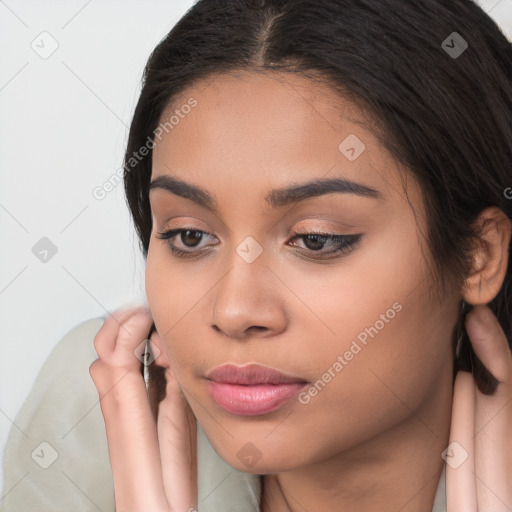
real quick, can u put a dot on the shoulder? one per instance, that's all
(78, 341)
(65, 373)
(56, 455)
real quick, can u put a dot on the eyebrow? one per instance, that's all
(277, 198)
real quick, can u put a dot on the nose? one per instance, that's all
(249, 301)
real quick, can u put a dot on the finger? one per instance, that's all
(120, 345)
(131, 338)
(105, 339)
(460, 464)
(493, 414)
(489, 342)
(177, 434)
(154, 374)
(132, 440)
(493, 452)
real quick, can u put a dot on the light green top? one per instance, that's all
(56, 457)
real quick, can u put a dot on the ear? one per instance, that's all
(159, 351)
(490, 258)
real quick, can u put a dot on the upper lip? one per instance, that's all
(252, 373)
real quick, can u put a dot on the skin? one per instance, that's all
(372, 438)
(360, 439)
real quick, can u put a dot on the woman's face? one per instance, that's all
(355, 319)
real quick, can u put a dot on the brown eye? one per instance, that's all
(189, 237)
(315, 242)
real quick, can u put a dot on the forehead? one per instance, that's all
(265, 104)
(246, 129)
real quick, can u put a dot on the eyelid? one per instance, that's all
(345, 243)
(296, 232)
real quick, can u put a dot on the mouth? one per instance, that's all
(252, 389)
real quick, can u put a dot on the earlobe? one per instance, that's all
(490, 258)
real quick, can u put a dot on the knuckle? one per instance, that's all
(119, 335)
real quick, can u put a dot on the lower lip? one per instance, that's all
(252, 400)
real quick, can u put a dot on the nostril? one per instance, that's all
(255, 327)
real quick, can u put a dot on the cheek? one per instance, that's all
(371, 375)
(175, 306)
(391, 351)
(163, 295)
(369, 291)
(383, 333)
(155, 276)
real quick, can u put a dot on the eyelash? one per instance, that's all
(346, 243)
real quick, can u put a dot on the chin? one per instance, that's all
(248, 460)
(259, 468)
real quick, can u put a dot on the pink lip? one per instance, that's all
(251, 389)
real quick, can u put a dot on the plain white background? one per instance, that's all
(63, 127)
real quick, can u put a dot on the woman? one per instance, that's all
(319, 188)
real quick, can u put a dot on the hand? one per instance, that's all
(482, 425)
(154, 465)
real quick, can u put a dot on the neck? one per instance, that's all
(400, 468)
